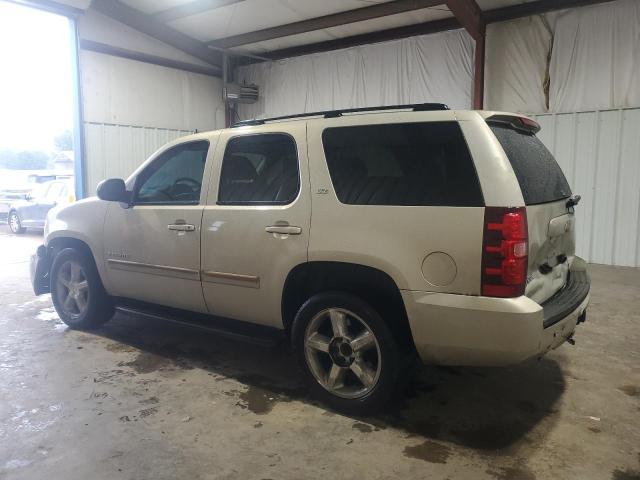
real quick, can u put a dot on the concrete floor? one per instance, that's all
(142, 399)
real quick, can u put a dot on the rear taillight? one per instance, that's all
(504, 252)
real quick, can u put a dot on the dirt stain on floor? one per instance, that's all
(146, 362)
(631, 390)
(519, 472)
(120, 347)
(258, 400)
(262, 395)
(626, 475)
(147, 412)
(363, 427)
(489, 437)
(428, 451)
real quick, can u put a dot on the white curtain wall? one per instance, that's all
(596, 58)
(516, 64)
(427, 68)
(579, 59)
(590, 56)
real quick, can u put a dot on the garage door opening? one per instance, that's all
(39, 135)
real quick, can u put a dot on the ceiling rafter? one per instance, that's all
(490, 16)
(145, 24)
(469, 15)
(327, 21)
(365, 38)
(191, 8)
(534, 8)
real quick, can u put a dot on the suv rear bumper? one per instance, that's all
(451, 329)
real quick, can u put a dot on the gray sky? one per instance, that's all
(36, 91)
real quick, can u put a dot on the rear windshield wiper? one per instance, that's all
(573, 201)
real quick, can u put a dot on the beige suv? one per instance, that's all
(367, 237)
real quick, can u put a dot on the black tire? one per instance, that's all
(15, 224)
(389, 359)
(98, 307)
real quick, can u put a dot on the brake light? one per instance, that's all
(504, 252)
(532, 124)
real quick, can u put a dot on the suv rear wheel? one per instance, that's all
(77, 292)
(347, 354)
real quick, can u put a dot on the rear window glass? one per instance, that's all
(402, 164)
(539, 175)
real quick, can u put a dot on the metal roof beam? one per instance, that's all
(490, 16)
(191, 8)
(469, 15)
(147, 58)
(143, 23)
(365, 38)
(327, 21)
(534, 8)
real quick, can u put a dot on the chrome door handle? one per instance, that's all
(181, 227)
(285, 230)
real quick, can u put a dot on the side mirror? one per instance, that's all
(112, 190)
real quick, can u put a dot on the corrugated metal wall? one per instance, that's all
(117, 150)
(599, 152)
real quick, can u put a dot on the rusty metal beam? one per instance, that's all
(478, 74)
(147, 58)
(362, 39)
(534, 8)
(491, 16)
(327, 21)
(143, 23)
(191, 8)
(469, 15)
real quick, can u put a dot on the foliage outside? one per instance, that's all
(35, 159)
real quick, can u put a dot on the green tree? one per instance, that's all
(25, 160)
(64, 141)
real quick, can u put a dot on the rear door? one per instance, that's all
(545, 190)
(255, 227)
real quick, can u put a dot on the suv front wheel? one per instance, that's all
(347, 354)
(77, 292)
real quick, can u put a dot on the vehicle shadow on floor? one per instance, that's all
(487, 409)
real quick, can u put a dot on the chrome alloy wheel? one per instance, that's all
(14, 222)
(72, 289)
(342, 353)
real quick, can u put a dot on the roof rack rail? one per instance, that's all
(416, 107)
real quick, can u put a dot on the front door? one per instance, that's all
(152, 248)
(255, 227)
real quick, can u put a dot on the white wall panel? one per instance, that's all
(121, 91)
(599, 152)
(117, 150)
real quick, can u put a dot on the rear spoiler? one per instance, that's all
(522, 124)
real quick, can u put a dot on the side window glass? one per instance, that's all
(420, 164)
(259, 169)
(175, 177)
